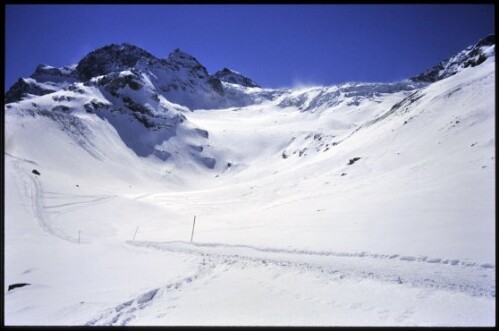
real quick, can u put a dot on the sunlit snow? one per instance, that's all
(361, 204)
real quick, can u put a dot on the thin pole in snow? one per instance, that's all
(79, 236)
(136, 230)
(193, 224)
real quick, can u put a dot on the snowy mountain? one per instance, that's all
(180, 77)
(470, 57)
(234, 77)
(142, 96)
(355, 204)
(45, 80)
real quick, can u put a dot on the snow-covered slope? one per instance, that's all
(356, 204)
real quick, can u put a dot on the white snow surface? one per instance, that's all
(291, 229)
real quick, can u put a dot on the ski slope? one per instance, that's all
(377, 213)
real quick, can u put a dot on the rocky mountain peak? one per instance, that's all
(487, 41)
(111, 58)
(472, 56)
(183, 59)
(230, 76)
(47, 73)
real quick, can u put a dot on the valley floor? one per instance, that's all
(181, 283)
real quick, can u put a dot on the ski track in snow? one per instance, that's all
(470, 278)
(34, 189)
(87, 201)
(467, 278)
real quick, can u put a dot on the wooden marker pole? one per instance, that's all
(136, 230)
(193, 225)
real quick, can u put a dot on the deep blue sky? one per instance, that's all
(274, 45)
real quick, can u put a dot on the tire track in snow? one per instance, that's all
(468, 278)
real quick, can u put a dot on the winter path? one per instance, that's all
(435, 273)
(322, 288)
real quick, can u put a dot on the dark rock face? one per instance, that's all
(202, 133)
(487, 41)
(111, 58)
(352, 161)
(16, 285)
(470, 57)
(22, 87)
(180, 78)
(180, 58)
(45, 73)
(47, 70)
(195, 73)
(216, 84)
(429, 76)
(17, 91)
(113, 82)
(230, 76)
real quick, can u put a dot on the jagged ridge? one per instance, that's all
(470, 57)
(180, 77)
(151, 93)
(234, 77)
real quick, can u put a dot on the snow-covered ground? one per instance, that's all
(380, 212)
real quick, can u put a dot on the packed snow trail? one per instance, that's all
(326, 288)
(434, 273)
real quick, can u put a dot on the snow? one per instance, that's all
(288, 233)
